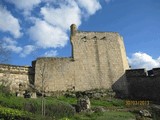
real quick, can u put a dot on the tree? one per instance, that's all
(44, 77)
(4, 54)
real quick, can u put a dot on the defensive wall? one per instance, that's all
(98, 61)
(144, 84)
(13, 76)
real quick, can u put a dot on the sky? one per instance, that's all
(38, 28)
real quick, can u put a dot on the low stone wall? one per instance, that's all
(144, 86)
(5, 68)
(15, 76)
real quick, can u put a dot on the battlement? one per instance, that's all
(143, 84)
(142, 72)
(156, 71)
(86, 35)
(54, 58)
(6, 68)
(136, 73)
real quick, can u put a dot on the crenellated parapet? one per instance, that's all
(15, 76)
(136, 73)
(6, 68)
(156, 71)
(142, 72)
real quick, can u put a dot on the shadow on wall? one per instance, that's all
(121, 87)
(143, 85)
(139, 84)
(31, 73)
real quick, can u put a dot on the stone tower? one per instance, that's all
(98, 61)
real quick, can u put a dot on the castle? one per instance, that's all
(98, 61)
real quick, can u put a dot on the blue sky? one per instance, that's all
(36, 28)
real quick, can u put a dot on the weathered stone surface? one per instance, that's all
(20, 94)
(98, 109)
(83, 103)
(145, 113)
(143, 86)
(98, 61)
(13, 76)
(33, 95)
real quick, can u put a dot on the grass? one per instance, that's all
(108, 115)
(10, 114)
(106, 103)
(54, 107)
(67, 99)
(60, 108)
(115, 115)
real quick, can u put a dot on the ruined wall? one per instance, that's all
(15, 75)
(142, 85)
(98, 61)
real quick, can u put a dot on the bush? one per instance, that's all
(11, 101)
(13, 114)
(4, 89)
(60, 110)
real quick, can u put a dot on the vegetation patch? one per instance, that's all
(13, 114)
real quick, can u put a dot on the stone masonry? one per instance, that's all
(98, 61)
(16, 76)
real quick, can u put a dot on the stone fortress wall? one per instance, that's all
(98, 61)
(16, 75)
(144, 84)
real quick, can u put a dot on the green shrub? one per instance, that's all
(4, 90)
(11, 101)
(60, 110)
(33, 105)
(13, 114)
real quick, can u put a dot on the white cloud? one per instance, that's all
(28, 49)
(9, 41)
(91, 6)
(51, 32)
(14, 48)
(69, 12)
(11, 45)
(50, 29)
(51, 53)
(143, 60)
(47, 36)
(8, 23)
(26, 5)
(63, 16)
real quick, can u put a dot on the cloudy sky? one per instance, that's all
(34, 28)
